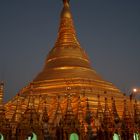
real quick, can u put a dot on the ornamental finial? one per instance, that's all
(66, 2)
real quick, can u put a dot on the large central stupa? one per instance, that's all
(68, 70)
(66, 90)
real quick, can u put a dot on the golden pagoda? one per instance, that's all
(68, 98)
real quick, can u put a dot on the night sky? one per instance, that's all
(109, 31)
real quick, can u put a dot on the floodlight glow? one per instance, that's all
(134, 90)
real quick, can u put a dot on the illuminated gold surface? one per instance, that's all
(67, 61)
(67, 70)
(1, 93)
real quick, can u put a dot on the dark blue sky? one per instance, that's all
(108, 30)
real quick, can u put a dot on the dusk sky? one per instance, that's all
(109, 31)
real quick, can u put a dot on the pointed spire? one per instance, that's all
(106, 110)
(2, 109)
(67, 34)
(30, 118)
(107, 116)
(31, 98)
(126, 113)
(5, 127)
(58, 113)
(65, 2)
(137, 114)
(88, 114)
(99, 114)
(65, 13)
(89, 120)
(127, 120)
(67, 56)
(69, 119)
(80, 114)
(69, 109)
(114, 111)
(1, 92)
(1, 99)
(45, 117)
(16, 115)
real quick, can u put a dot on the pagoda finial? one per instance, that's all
(66, 2)
(67, 34)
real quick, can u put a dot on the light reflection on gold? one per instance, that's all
(68, 57)
(58, 74)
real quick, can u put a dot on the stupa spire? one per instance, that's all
(107, 120)
(66, 34)
(2, 111)
(99, 114)
(66, 2)
(1, 92)
(114, 111)
(66, 56)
